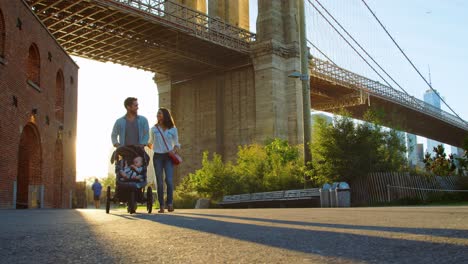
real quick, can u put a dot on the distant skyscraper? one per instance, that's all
(412, 149)
(458, 152)
(433, 99)
(420, 151)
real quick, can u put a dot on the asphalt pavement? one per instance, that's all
(294, 235)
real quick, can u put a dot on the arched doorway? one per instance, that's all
(58, 174)
(29, 168)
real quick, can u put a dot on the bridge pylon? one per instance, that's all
(244, 104)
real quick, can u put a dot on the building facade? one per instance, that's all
(411, 146)
(38, 95)
(433, 99)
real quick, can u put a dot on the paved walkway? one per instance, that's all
(310, 235)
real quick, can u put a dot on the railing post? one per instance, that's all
(388, 192)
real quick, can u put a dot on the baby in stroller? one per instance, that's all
(130, 166)
(133, 172)
(130, 171)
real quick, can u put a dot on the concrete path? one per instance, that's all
(310, 235)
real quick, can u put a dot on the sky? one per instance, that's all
(431, 32)
(102, 89)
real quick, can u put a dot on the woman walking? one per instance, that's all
(164, 139)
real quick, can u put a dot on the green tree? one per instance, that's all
(108, 181)
(214, 179)
(250, 168)
(284, 166)
(275, 166)
(346, 149)
(463, 160)
(440, 165)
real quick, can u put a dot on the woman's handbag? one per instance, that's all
(176, 158)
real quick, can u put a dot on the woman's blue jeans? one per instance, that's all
(162, 162)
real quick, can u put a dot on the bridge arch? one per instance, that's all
(29, 168)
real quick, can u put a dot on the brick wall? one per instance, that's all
(54, 99)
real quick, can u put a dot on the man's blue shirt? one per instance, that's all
(118, 132)
(96, 187)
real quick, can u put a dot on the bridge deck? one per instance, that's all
(168, 38)
(333, 88)
(159, 36)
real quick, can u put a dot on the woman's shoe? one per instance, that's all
(161, 210)
(170, 208)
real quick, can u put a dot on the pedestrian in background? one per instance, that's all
(97, 188)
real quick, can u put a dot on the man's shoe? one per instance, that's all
(161, 210)
(170, 208)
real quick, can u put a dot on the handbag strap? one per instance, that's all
(162, 135)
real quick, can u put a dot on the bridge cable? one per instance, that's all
(409, 60)
(357, 52)
(357, 43)
(321, 52)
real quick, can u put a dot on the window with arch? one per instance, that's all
(2, 35)
(59, 96)
(34, 64)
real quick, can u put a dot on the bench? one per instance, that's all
(273, 199)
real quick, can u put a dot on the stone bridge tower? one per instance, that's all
(217, 112)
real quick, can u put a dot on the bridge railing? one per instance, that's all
(331, 72)
(195, 22)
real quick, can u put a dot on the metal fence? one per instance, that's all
(384, 187)
(194, 22)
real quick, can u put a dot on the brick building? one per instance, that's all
(38, 106)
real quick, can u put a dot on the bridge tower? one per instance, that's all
(199, 5)
(235, 12)
(248, 103)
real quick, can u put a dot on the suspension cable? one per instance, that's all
(357, 43)
(321, 52)
(409, 60)
(357, 52)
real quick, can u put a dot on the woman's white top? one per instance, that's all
(171, 136)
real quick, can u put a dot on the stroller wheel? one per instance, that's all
(108, 198)
(132, 203)
(149, 200)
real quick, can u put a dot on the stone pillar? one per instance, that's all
(278, 99)
(234, 12)
(199, 5)
(164, 90)
(174, 10)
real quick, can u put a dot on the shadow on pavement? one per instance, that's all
(326, 243)
(453, 233)
(49, 236)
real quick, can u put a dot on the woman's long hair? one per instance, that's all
(168, 122)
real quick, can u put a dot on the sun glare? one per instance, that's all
(102, 88)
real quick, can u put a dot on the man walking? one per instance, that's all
(130, 129)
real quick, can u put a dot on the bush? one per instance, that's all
(186, 200)
(345, 149)
(275, 166)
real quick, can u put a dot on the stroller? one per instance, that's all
(130, 191)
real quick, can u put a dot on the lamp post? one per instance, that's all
(304, 77)
(305, 113)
